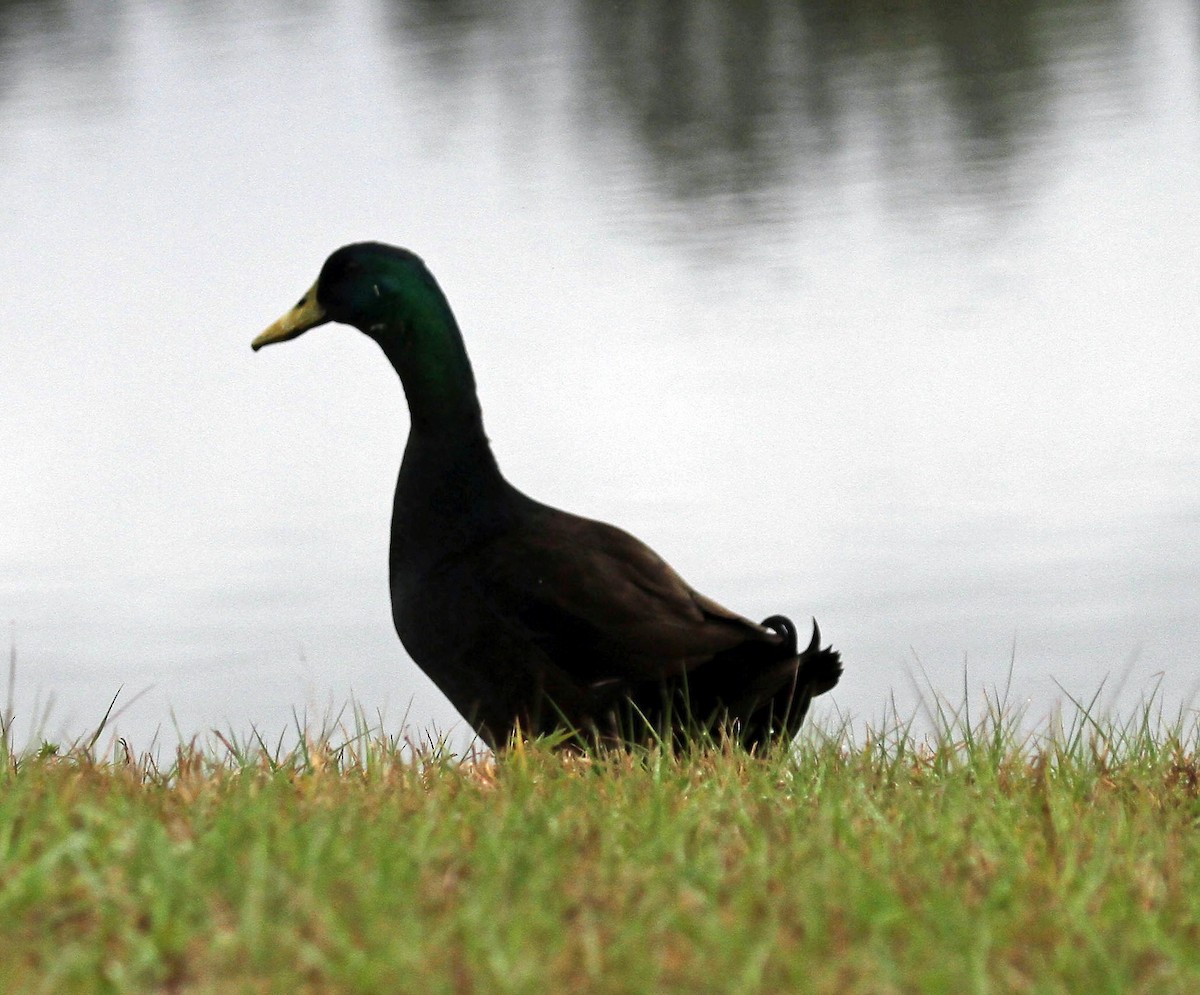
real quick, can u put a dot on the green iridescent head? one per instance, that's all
(378, 289)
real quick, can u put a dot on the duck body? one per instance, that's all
(526, 617)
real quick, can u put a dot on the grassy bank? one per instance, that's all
(1063, 861)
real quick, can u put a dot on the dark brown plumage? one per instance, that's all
(527, 616)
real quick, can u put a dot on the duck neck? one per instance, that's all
(426, 349)
(447, 447)
(450, 491)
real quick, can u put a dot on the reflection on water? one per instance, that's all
(936, 258)
(738, 104)
(744, 98)
(745, 113)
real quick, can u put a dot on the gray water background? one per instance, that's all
(880, 313)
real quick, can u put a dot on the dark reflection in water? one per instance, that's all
(749, 95)
(729, 103)
(77, 43)
(735, 100)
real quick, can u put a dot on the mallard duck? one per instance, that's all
(529, 619)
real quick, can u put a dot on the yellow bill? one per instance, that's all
(305, 315)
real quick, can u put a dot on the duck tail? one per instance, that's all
(781, 625)
(775, 702)
(818, 669)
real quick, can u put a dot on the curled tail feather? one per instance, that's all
(819, 669)
(776, 702)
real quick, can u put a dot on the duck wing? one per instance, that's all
(599, 603)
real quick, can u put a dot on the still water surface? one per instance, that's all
(886, 316)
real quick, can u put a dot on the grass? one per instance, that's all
(980, 858)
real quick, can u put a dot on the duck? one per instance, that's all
(532, 621)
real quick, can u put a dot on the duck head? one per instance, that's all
(376, 288)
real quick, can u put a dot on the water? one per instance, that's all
(883, 316)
